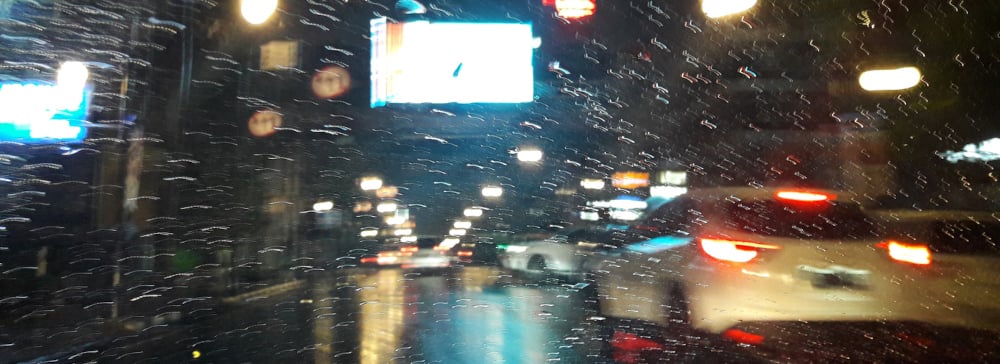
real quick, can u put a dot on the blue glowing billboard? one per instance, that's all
(38, 112)
(436, 63)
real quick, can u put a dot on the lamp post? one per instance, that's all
(893, 79)
(370, 183)
(722, 8)
(529, 155)
(492, 191)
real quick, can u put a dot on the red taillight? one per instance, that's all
(804, 196)
(630, 342)
(743, 337)
(464, 253)
(908, 253)
(408, 249)
(367, 260)
(733, 250)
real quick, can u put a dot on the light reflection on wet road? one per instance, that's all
(485, 315)
(468, 316)
(462, 315)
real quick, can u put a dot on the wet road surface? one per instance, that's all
(459, 315)
(464, 315)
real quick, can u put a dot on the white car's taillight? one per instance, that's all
(735, 251)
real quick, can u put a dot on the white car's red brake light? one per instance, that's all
(917, 254)
(735, 251)
(804, 196)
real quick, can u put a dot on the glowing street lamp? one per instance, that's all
(492, 191)
(473, 212)
(889, 79)
(529, 155)
(257, 11)
(592, 184)
(323, 206)
(462, 224)
(371, 183)
(721, 8)
(456, 232)
(386, 207)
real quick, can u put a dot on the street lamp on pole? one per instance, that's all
(530, 155)
(371, 183)
(721, 8)
(492, 191)
(257, 11)
(889, 79)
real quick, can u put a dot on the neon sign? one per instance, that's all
(42, 112)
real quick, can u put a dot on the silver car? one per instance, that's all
(561, 254)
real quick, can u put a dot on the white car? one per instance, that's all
(553, 253)
(718, 260)
(427, 254)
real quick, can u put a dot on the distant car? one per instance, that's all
(553, 253)
(388, 255)
(714, 259)
(426, 254)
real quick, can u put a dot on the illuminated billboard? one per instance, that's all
(437, 63)
(41, 112)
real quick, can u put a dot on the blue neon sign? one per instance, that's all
(39, 112)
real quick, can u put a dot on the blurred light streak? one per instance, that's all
(889, 79)
(492, 191)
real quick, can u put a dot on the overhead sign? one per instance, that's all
(572, 9)
(672, 178)
(449, 62)
(630, 180)
(38, 112)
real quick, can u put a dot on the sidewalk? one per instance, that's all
(59, 328)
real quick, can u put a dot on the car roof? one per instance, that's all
(934, 215)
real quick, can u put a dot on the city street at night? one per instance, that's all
(499, 181)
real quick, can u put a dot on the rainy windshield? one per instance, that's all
(492, 181)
